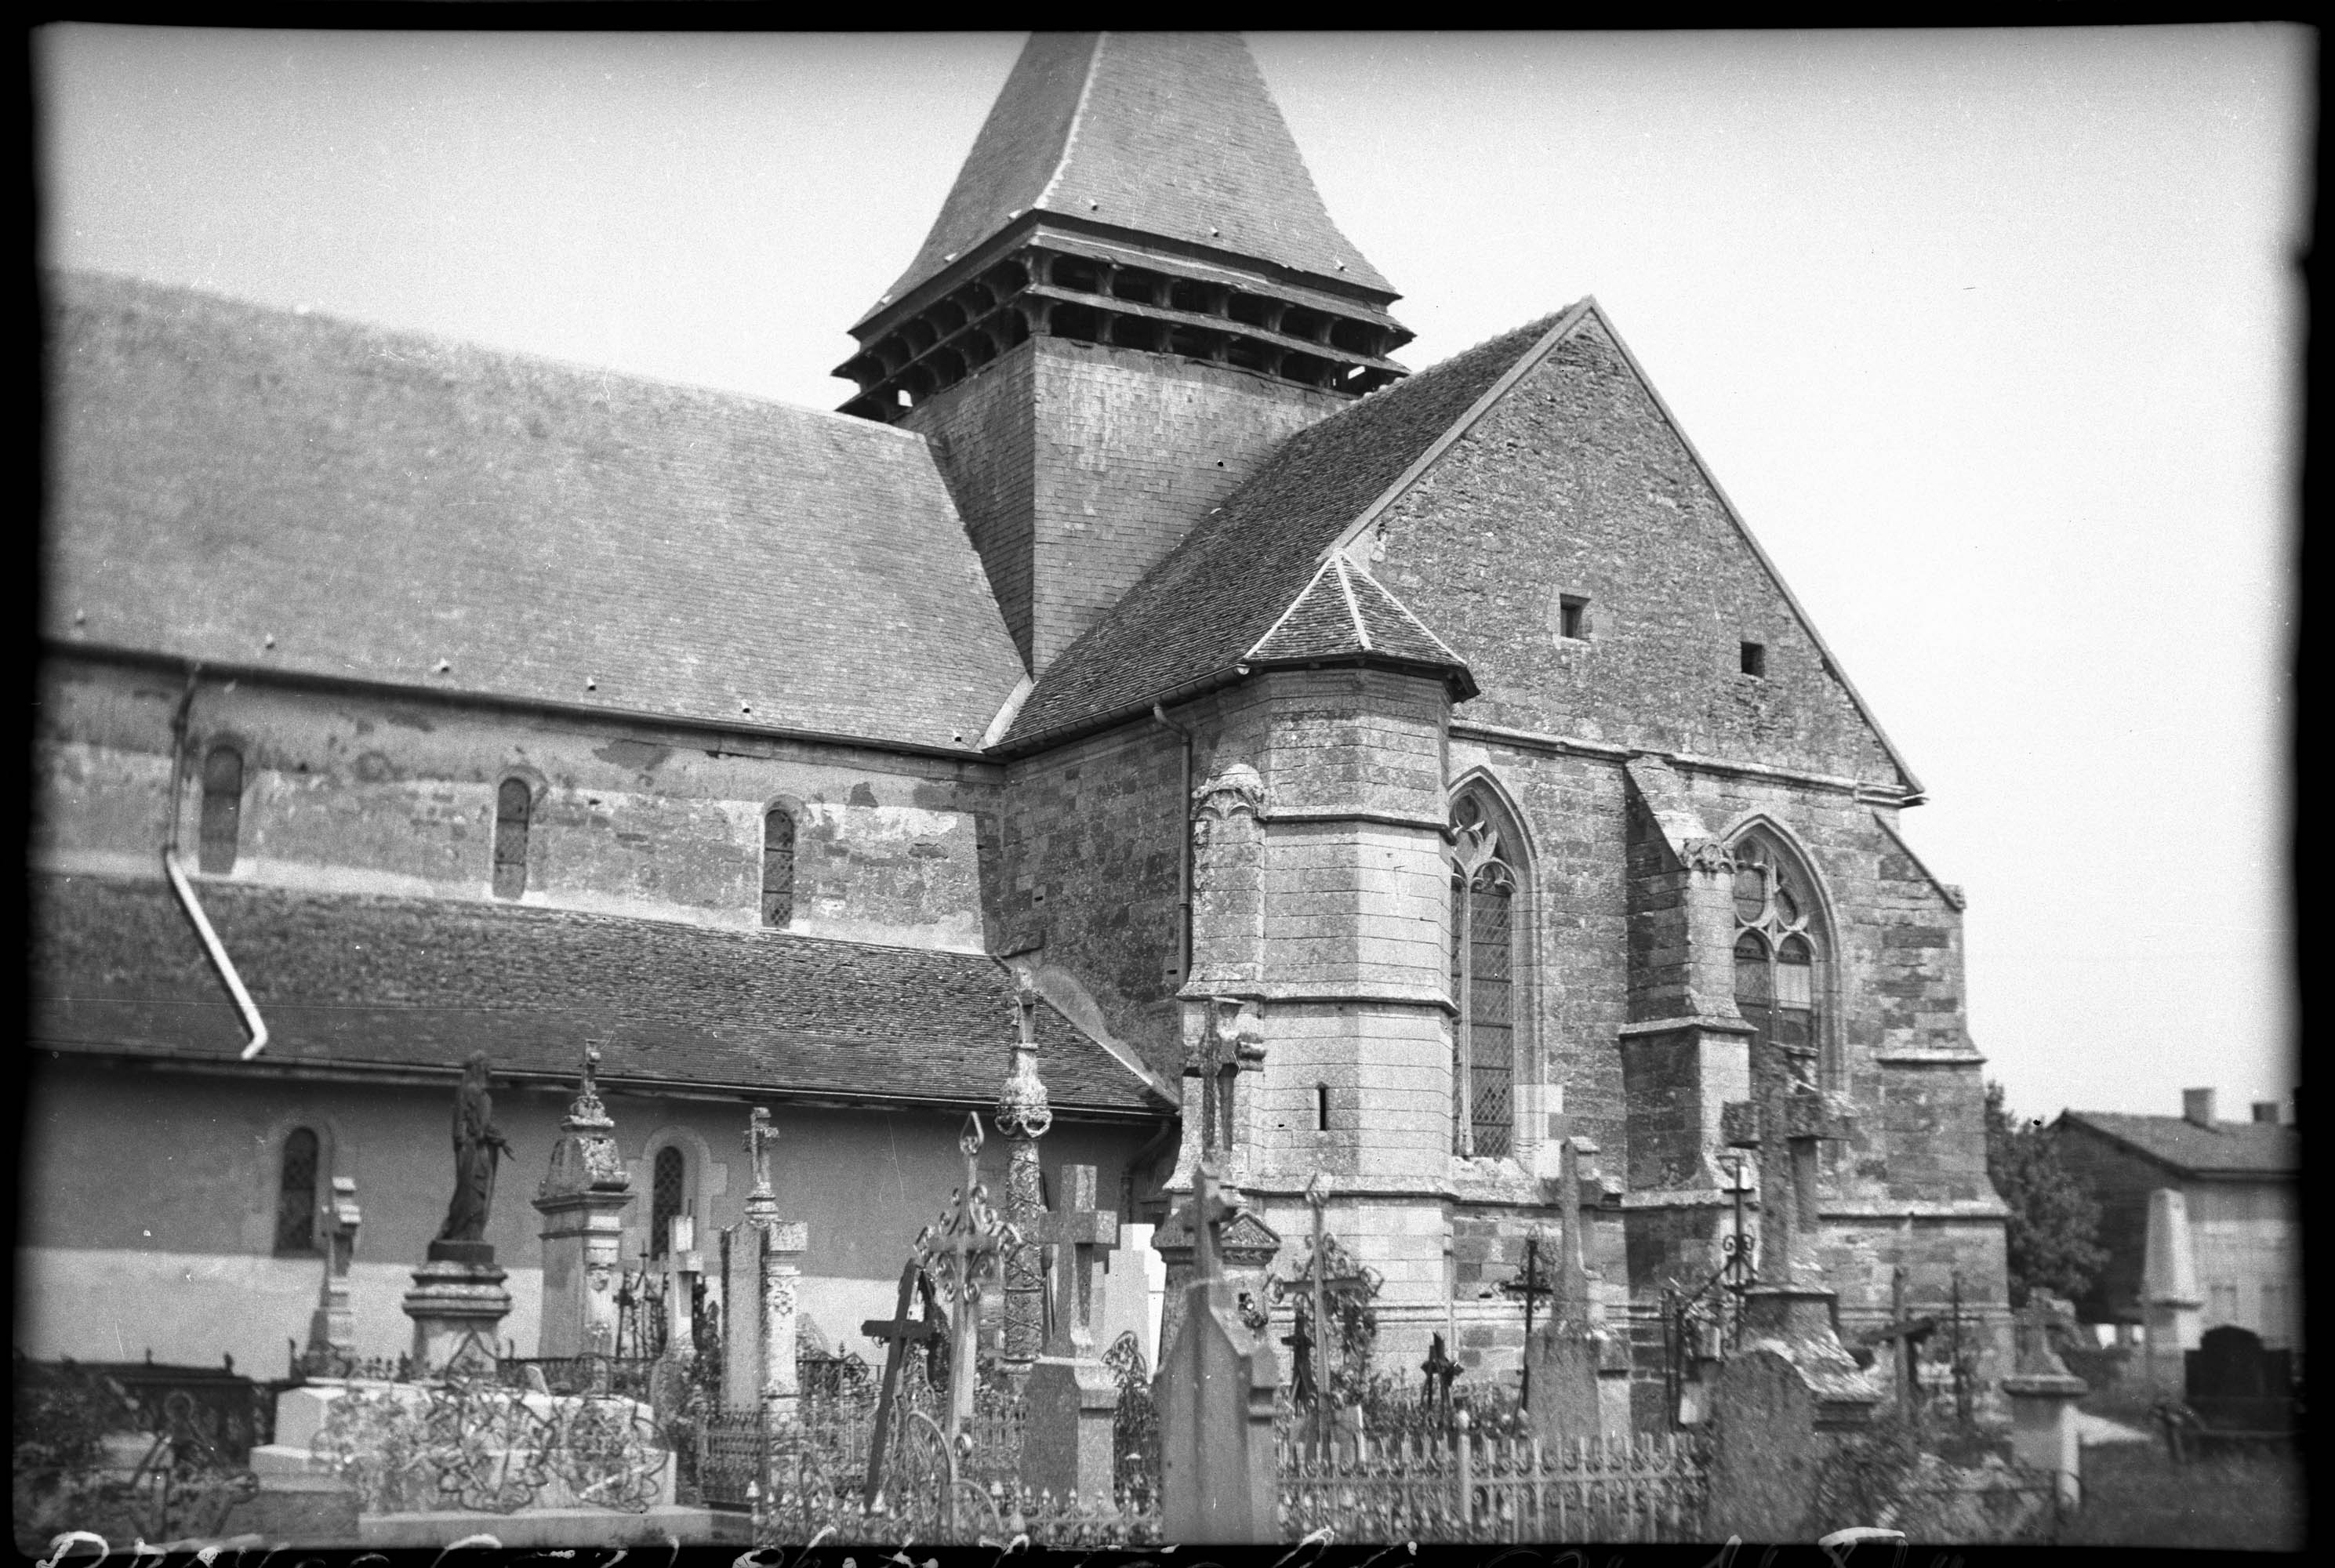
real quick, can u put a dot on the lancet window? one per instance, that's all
(295, 1193)
(778, 867)
(1778, 954)
(1483, 984)
(513, 805)
(222, 824)
(667, 1192)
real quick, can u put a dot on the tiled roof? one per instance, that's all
(1345, 611)
(1171, 134)
(392, 983)
(376, 502)
(1202, 609)
(2225, 1148)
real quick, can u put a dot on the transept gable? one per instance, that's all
(1571, 542)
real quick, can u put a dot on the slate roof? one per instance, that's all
(355, 981)
(1345, 611)
(1202, 609)
(1173, 134)
(2226, 1148)
(377, 501)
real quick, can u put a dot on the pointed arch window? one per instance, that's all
(222, 824)
(668, 1197)
(514, 803)
(1483, 984)
(295, 1192)
(778, 867)
(1778, 956)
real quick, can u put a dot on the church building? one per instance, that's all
(1379, 776)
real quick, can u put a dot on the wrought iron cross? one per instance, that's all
(896, 1334)
(961, 1250)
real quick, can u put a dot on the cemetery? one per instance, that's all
(699, 1406)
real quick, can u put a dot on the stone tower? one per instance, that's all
(1132, 293)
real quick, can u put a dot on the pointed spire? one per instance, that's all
(1170, 134)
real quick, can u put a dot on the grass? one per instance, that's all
(2236, 1500)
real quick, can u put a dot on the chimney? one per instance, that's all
(2197, 1108)
(2266, 1112)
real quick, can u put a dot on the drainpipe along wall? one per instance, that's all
(185, 889)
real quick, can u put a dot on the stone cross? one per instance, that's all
(896, 1334)
(1788, 1117)
(332, 1327)
(1023, 1117)
(1081, 1232)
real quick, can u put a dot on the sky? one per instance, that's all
(1994, 339)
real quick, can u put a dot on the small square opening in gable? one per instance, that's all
(1755, 658)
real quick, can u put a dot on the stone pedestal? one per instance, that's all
(2043, 1394)
(457, 1304)
(582, 1201)
(1066, 1445)
(784, 1242)
(2171, 1303)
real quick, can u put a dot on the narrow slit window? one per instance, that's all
(1321, 1108)
(295, 1193)
(1755, 658)
(512, 804)
(222, 824)
(1573, 617)
(778, 868)
(667, 1189)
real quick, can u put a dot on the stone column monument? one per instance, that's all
(1023, 1117)
(1566, 1351)
(582, 1201)
(332, 1331)
(2172, 1306)
(458, 1301)
(758, 1370)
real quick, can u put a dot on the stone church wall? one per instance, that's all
(352, 792)
(155, 1227)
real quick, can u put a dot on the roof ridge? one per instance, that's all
(1353, 610)
(1408, 613)
(1078, 117)
(1287, 610)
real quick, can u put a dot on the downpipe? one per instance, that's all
(185, 889)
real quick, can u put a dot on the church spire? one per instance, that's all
(1140, 191)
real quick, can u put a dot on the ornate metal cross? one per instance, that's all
(1529, 1285)
(1023, 1115)
(961, 1252)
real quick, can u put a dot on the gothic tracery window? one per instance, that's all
(1483, 982)
(1778, 953)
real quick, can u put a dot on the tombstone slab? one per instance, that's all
(1215, 1393)
(1070, 1396)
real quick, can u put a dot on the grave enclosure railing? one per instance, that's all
(1470, 1486)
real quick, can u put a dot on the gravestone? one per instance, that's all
(1213, 1392)
(2171, 1304)
(2236, 1384)
(1072, 1398)
(2043, 1395)
(458, 1303)
(1564, 1352)
(582, 1201)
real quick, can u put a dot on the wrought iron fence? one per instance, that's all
(1472, 1488)
(628, 1377)
(476, 1446)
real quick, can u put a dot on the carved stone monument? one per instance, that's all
(1071, 1398)
(2171, 1303)
(1023, 1117)
(1230, 1047)
(458, 1301)
(582, 1201)
(1215, 1393)
(333, 1329)
(2043, 1395)
(759, 1291)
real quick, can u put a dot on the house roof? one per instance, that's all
(2225, 1148)
(1204, 608)
(375, 502)
(357, 982)
(1171, 134)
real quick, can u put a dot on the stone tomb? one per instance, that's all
(1072, 1398)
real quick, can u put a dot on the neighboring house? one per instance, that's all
(1137, 625)
(2240, 1181)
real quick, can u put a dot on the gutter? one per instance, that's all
(186, 889)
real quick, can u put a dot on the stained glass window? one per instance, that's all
(1776, 955)
(665, 1198)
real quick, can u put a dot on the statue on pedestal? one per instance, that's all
(478, 1144)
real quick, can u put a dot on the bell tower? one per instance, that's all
(1132, 293)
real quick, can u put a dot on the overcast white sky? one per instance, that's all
(1994, 338)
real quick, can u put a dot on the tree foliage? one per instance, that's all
(2055, 1220)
